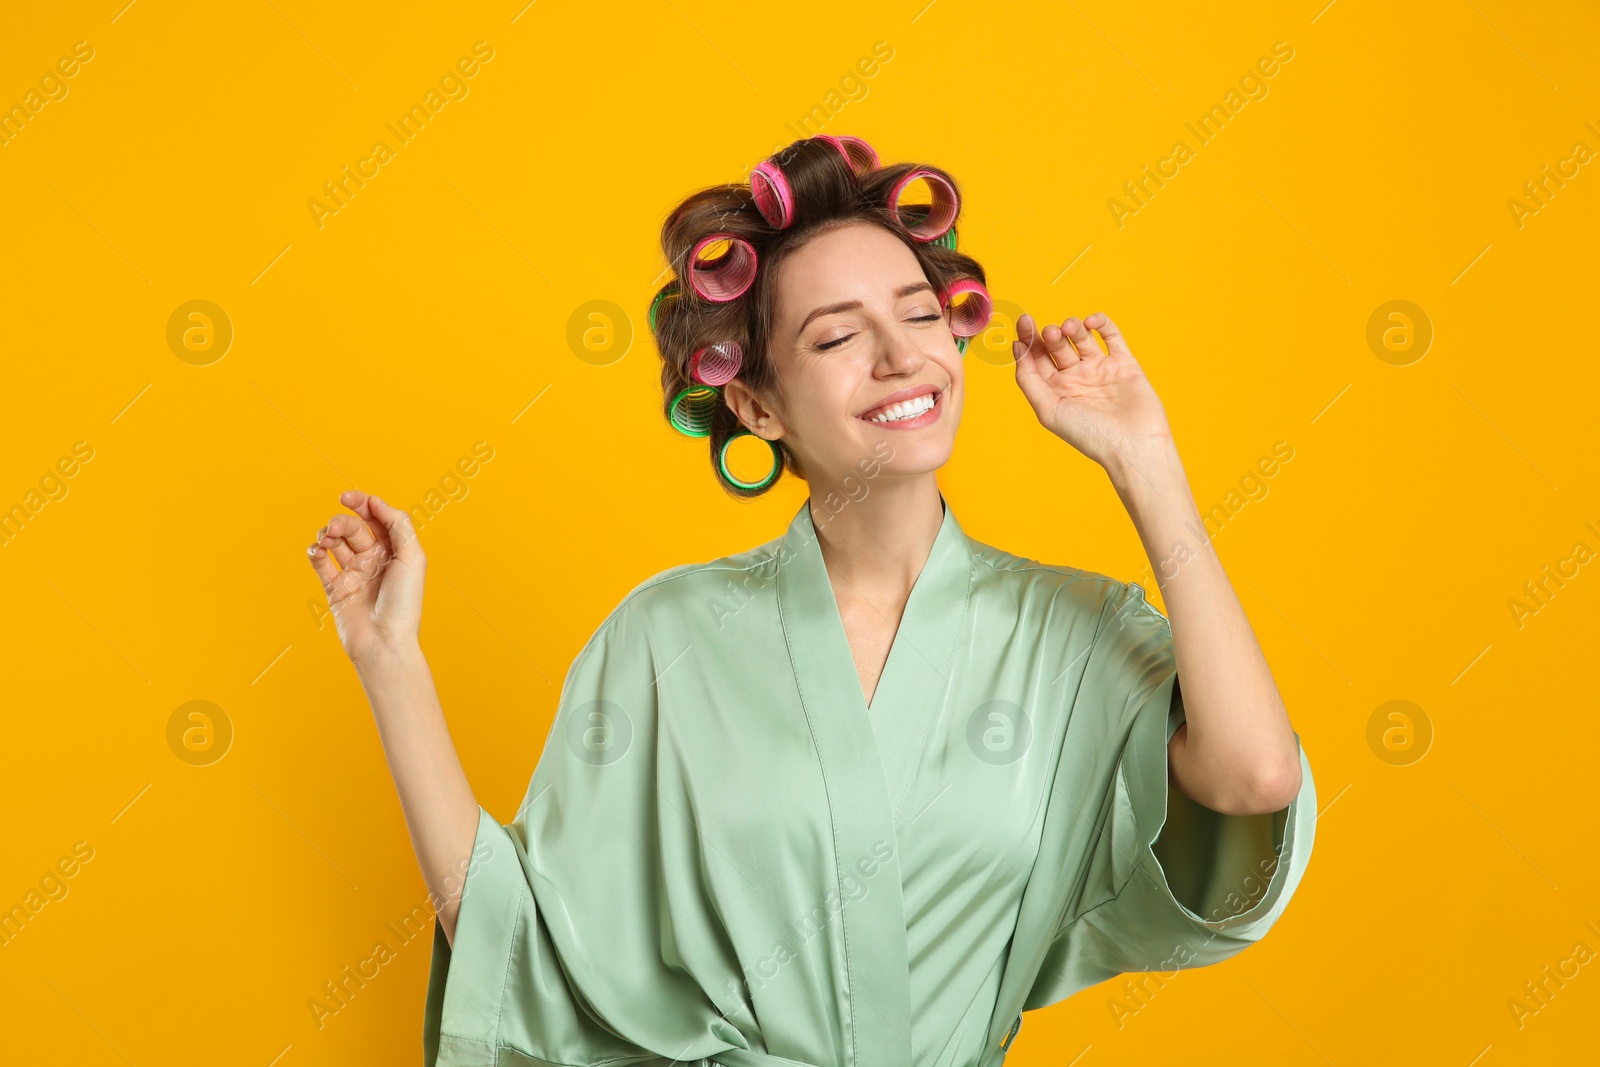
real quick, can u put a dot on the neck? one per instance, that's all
(880, 540)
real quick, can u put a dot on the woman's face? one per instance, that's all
(857, 323)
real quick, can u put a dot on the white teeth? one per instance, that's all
(908, 409)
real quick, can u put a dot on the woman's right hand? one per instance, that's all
(375, 592)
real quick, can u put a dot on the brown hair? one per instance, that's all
(827, 194)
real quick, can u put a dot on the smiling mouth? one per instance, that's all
(905, 410)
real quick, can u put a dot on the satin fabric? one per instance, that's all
(725, 856)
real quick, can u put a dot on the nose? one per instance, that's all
(899, 354)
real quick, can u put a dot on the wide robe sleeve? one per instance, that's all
(564, 954)
(1188, 886)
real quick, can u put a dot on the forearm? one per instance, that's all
(1237, 752)
(440, 809)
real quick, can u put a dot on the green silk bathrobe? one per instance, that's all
(726, 857)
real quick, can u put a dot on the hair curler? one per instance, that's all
(941, 214)
(727, 276)
(858, 154)
(693, 409)
(970, 316)
(773, 197)
(716, 364)
(667, 291)
(770, 189)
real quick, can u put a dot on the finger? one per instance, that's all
(1037, 358)
(357, 501)
(371, 560)
(1059, 346)
(1032, 371)
(336, 545)
(1039, 346)
(401, 534)
(1082, 340)
(353, 545)
(357, 533)
(367, 554)
(1107, 329)
(323, 565)
(1025, 333)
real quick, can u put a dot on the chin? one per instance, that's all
(905, 456)
(924, 458)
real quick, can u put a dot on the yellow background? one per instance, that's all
(433, 309)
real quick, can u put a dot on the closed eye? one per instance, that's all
(824, 346)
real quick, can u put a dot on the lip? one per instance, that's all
(904, 394)
(929, 416)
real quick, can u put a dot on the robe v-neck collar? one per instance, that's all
(866, 757)
(927, 626)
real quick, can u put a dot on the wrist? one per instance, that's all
(389, 658)
(1152, 467)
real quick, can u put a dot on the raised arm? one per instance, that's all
(1236, 752)
(375, 597)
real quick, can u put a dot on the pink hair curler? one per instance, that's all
(770, 190)
(941, 214)
(716, 364)
(857, 153)
(968, 318)
(773, 197)
(727, 276)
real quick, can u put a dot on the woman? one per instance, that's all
(865, 793)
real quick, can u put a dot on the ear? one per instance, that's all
(752, 411)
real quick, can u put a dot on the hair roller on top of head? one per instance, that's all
(724, 277)
(926, 222)
(971, 315)
(857, 153)
(773, 197)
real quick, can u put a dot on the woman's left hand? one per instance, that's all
(1098, 402)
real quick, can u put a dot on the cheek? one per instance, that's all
(955, 367)
(818, 400)
(953, 402)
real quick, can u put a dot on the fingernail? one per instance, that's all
(376, 499)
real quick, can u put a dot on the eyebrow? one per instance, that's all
(854, 305)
